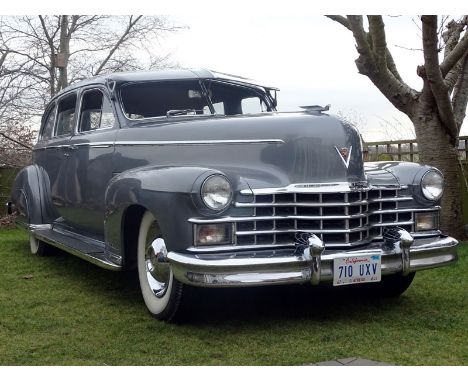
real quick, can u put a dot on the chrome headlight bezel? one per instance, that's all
(208, 200)
(428, 194)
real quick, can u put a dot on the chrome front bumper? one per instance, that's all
(314, 265)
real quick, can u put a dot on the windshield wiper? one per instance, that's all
(172, 113)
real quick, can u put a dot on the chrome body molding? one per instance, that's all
(312, 266)
(200, 142)
(164, 143)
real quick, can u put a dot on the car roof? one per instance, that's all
(158, 75)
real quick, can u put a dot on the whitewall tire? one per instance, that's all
(161, 292)
(36, 246)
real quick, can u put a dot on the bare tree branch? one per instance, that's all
(14, 140)
(127, 31)
(456, 54)
(460, 95)
(434, 76)
(340, 19)
(381, 71)
(379, 43)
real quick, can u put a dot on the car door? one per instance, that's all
(52, 151)
(90, 162)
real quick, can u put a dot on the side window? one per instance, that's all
(48, 126)
(66, 115)
(253, 105)
(107, 117)
(96, 111)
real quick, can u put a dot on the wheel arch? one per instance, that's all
(28, 196)
(130, 229)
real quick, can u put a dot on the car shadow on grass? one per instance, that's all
(285, 302)
(216, 305)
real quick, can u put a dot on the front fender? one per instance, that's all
(165, 191)
(407, 174)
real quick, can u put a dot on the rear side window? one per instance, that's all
(48, 126)
(66, 115)
(96, 111)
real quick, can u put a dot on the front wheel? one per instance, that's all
(161, 292)
(36, 246)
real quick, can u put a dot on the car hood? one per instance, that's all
(265, 150)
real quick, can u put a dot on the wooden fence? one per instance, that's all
(404, 150)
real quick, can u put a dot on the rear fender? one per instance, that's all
(27, 197)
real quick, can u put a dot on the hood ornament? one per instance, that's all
(345, 154)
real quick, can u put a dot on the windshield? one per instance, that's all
(157, 99)
(189, 98)
(231, 99)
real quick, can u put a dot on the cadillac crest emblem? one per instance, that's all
(345, 154)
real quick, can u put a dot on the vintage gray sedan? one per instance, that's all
(192, 177)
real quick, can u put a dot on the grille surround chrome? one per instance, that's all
(363, 213)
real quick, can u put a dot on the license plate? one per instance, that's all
(356, 270)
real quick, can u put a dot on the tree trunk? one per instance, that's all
(64, 51)
(436, 148)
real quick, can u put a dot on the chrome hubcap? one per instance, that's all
(158, 271)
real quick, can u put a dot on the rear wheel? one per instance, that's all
(161, 292)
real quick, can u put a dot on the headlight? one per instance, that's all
(432, 185)
(216, 192)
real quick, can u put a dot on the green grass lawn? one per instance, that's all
(60, 310)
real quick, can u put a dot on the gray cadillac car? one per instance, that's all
(191, 177)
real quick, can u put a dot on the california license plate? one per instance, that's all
(356, 270)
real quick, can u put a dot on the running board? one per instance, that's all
(78, 245)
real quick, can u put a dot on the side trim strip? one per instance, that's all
(169, 143)
(195, 143)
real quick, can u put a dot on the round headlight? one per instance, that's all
(216, 192)
(432, 185)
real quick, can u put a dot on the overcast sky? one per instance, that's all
(309, 57)
(287, 44)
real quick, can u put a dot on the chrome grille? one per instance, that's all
(340, 219)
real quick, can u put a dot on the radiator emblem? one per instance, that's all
(345, 154)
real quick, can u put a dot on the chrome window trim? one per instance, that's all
(60, 99)
(41, 131)
(85, 90)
